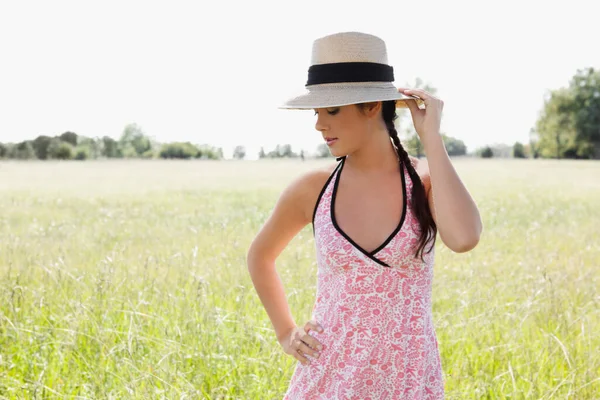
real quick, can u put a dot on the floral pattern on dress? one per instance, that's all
(379, 341)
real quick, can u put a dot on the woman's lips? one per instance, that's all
(330, 141)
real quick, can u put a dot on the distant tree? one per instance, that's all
(40, 146)
(454, 147)
(3, 150)
(556, 127)
(133, 141)
(96, 147)
(82, 153)
(24, 151)
(64, 151)
(127, 151)
(69, 137)
(150, 154)
(208, 152)
(10, 150)
(413, 145)
(53, 147)
(282, 151)
(534, 146)
(323, 151)
(487, 152)
(183, 150)
(110, 147)
(585, 86)
(275, 153)
(286, 151)
(261, 153)
(93, 146)
(569, 124)
(519, 150)
(239, 152)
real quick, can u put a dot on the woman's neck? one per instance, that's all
(377, 155)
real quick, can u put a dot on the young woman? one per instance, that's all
(375, 214)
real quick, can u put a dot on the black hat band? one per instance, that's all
(349, 72)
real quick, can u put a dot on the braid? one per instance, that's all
(418, 195)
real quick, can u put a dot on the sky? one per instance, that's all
(215, 72)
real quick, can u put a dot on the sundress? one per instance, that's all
(379, 341)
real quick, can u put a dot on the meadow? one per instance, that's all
(128, 279)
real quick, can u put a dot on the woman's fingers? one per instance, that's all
(308, 351)
(405, 90)
(299, 354)
(309, 339)
(312, 324)
(419, 93)
(313, 343)
(304, 350)
(412, 105)
(409, 103)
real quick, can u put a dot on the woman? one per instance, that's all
(375, 215)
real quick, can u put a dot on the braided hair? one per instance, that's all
(420, 205)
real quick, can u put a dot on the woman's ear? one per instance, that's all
(372, 108)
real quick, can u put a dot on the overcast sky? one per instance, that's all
(215, 72)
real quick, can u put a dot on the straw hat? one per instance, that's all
(348, 68)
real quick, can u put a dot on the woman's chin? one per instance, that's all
(335, 152)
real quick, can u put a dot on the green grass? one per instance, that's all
(128, 280)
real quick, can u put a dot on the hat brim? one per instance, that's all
(333, 95)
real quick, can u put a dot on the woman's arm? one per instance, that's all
(290, 215)
(455, 212)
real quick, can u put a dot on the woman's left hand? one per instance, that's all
(427, 121)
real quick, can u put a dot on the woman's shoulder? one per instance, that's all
(307, 187)
(310, 183)
(319, 174)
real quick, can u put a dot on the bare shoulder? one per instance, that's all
(307, 187)
(291, 213)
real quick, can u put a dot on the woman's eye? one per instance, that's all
(330, 112)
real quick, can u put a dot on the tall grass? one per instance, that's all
(128, 280)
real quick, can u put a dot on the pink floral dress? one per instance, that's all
(379, 341)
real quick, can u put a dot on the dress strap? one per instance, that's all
(325, 186)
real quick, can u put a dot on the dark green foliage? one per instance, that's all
(519, 150)
(487, 152)
(569, 125)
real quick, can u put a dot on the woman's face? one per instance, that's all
(344, 128)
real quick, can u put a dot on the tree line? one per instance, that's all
(133, 143)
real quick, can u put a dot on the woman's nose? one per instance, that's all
(320, 124)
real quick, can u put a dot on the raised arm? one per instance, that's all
(454, 210)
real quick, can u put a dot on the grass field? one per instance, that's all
(128, 280)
